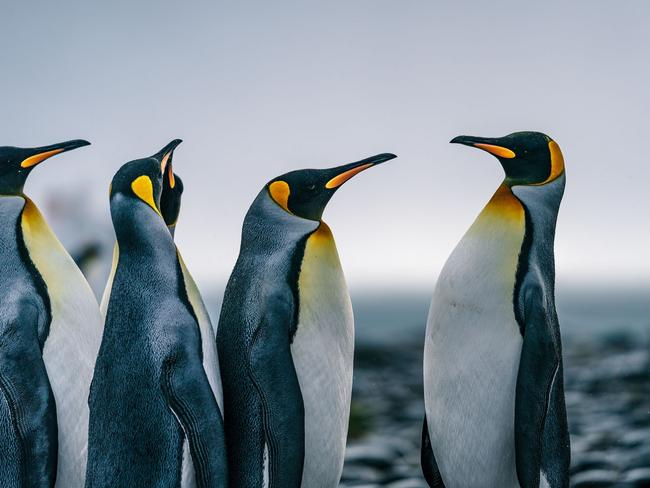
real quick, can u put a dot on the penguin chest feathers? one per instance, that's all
(72, 344)
(472, 350)
(322, 351)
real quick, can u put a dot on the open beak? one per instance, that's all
(40, 154)
(165, 155)
(489, 144)
(341, 174)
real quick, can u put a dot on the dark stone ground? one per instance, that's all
(607, 385)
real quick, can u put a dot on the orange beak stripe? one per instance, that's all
(502, 152)
(170, 173)
(37, 158)
(163, 163)
(345, 176)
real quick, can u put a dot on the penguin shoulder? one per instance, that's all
(274, 329)
(174, 313)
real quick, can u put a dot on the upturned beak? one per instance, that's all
(165, 156)
(40, 154)
(341, 174)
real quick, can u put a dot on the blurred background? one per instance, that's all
(260, 88)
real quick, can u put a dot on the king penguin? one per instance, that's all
(493, 381)
(50, 329)
(155, 419)
(286, 338)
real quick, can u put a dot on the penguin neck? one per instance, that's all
(268, 226)
(13, 183)
(140, 231)
(542, 204)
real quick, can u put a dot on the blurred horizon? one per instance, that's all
(257, 89)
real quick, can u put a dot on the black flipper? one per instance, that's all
(190, 397)
(428, 460)
(27, 405)
(541, 433)
(274, 376)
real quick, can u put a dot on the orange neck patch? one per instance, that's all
(323, 232)
(504, 204)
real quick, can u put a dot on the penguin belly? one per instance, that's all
(72, 345)
(322, 352)
(210, 364)
(472, 350)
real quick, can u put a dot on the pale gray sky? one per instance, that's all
(260, 88)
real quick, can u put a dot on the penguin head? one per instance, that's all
(170, 198)
(528, 158)
(141, 181)
(17, 162)
(305, 192)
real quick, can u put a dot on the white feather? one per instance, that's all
(208, 341)
(472, 351)
(106, 296)
(322, 351)
(72, 344)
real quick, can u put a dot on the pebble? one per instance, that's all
(360, 473)
(409, 483)
(377, 455)
(597, 478)
(639, 476)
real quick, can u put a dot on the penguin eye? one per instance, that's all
(311, 187)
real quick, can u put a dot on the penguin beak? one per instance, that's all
(170, 172)
(40, 154)
(343, 173)
(489, 144)
(165, 155)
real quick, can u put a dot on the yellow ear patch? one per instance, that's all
(338, 180)
(143, 188)
(38, 158)
(557, 161)
(502, 152)
(280, 191)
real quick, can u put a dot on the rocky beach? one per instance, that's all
(607, 384)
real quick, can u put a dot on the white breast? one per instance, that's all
(208, 341)
(472, 351)
(322, 351)
(210, 363)
(71, 346)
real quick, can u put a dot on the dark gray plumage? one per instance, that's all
(150, 390)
